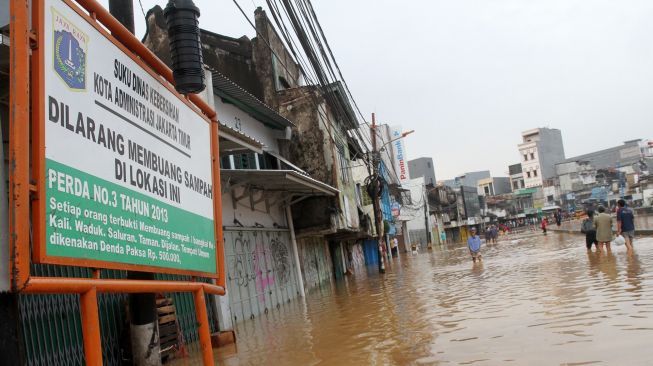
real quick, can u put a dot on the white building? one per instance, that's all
(516, 177)
(414, 212)
(493, 186)
(540, 150)
(259, 187)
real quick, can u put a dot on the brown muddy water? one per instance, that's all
(535, 300)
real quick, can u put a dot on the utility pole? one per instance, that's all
(426, 217)
(376, 188)
(144, 327)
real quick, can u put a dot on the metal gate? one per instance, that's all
(51, 324)
(261, 272)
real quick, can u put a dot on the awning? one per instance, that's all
(284, 161)
(550, 208)
(238, 96)
(286, 181)
(235, 142)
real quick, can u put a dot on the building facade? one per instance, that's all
(292, 214)
(516, 176)
(422, 167)
(540, 150)
(494, 186)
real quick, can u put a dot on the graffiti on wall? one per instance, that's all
(260, 271)
(315, 260)
(281, 259)
(263, 277)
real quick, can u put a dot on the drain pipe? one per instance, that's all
(300, 280)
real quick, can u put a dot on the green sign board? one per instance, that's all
(127, 162)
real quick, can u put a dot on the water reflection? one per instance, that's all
(533, 300)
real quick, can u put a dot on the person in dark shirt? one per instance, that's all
(587, 228)
(626, 223)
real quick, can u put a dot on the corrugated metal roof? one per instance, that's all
(288, 181)
(240, 97)
(234, 141)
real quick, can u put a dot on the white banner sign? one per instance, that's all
(399, 152)
(128, 163)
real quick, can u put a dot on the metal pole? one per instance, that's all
(376, 160)
(426, 217)
(203, 329)
(293, 240)
(91, 327)
(19, 185)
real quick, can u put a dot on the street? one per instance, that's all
(535, 300)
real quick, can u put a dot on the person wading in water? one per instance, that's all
(603, 227)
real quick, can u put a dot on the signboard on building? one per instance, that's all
(399, 152)
(396, 209)
(128, 181)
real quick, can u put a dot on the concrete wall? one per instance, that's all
(276, 69)
(4, 13)
(551, 151)
(547, 148)
(414, 213)
(232, 57)
(501, 185)
(422, 167)
(314, 148)
(239, 120)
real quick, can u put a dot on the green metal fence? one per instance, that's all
(51, 324)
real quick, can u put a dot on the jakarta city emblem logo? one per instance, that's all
(69, 54)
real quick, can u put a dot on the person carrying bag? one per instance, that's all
(587, 228)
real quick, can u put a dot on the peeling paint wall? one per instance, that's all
(276, 69)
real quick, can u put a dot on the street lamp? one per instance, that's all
(404, 134)
(375, 189)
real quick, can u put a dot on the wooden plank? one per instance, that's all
(167, 319)
(170, 328)
(164, 301)
(166, 309)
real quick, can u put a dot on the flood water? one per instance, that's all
(535, 300)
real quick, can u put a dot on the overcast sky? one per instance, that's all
(469, 76)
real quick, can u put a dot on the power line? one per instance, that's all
(311, 37)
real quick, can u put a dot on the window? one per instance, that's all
(532, 156)
(515, 185)
(487, 190)
(525, 157)
(528, 174)
(343, 162)
(225, 162)
(245, 161)
(535, 173)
